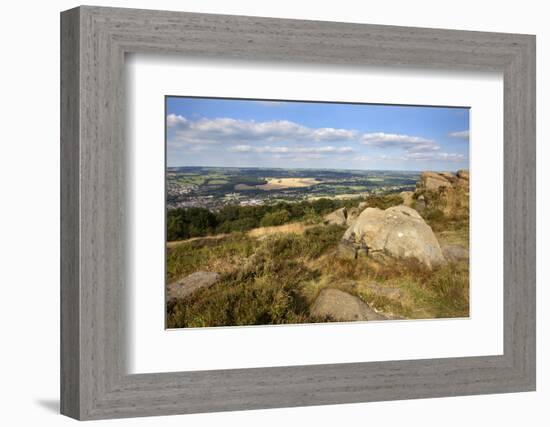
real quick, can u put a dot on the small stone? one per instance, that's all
(192, 283)
(340, 306)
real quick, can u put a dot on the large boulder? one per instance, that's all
(340, 306)
(190, 284)
(342, 216)
(338, 217)
(352, 215)
(398, 231)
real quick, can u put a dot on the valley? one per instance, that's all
(215, 187)
(303, 246)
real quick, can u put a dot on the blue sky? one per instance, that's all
(249, 133)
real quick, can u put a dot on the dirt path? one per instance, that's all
(295, 227)
(174, 243)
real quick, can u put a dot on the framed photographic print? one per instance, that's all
(262, 213)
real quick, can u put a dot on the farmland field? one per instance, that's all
(214, 188)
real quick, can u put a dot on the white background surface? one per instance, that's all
(154, 349)
(29, 225)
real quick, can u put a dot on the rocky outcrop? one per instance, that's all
(444, 191)
(352, 215)
(338, 217)
(463, 175)
(340, 306)
(342, 216)
(185, 287)
(433, 181)
(398, 231)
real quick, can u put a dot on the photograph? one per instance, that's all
(292, 212)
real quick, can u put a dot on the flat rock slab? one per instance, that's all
(342, 307)
(190, 284)
(338, 217)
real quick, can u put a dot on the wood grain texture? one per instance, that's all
(70, 314)
(94, 272)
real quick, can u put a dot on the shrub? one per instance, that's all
(384, 202)
(192, 222)
(275, 218)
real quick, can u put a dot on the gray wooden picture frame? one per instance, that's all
(94, 41)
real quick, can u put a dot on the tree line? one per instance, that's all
(184, 223)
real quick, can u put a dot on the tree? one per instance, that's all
(192, 222)
(275, 218)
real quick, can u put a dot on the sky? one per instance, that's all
(287, 134)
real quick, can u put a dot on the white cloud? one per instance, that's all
(289, 150)
(411, 144)
(288, 141)
(173, 120)
(414, 157)
(220, 130)
(443, 157)
(241, 148)
(464, 134)
(383, 139)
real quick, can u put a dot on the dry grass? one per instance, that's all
(454, 237)
(275, 279)
(260, 232)
(272, 275)
(292, 228)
